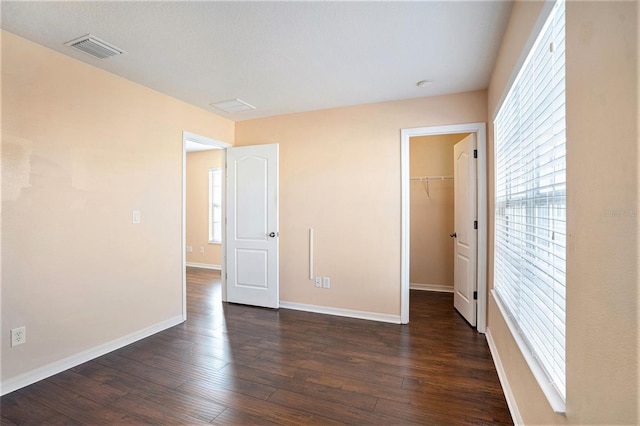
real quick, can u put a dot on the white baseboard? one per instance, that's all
(372, 316)
(204, 266)
(431, 287)
(506, 388)
(56, 367)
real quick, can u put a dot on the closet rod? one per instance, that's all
(423, 178)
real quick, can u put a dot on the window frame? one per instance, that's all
(555, 396)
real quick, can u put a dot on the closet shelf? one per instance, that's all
(430, 178)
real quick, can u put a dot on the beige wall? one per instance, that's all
(432, 218)
(197, 210)
(602, 177)
(340, 175)
(81, 149)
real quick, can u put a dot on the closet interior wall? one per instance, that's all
(432, 211)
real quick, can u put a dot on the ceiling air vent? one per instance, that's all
(95, 47)
(233, 105)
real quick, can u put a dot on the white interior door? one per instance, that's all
(252, 225)
(465, 234)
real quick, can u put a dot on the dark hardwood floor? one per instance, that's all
(231, 364)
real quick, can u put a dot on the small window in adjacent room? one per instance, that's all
(530, 208)
(215, 205)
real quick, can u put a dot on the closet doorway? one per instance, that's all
(444, 216)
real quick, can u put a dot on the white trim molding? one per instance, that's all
(204, 266)
(56, 367)
(504, 382)
(371, 316)
(431, 287)
(481, 145)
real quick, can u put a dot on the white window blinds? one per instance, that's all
(215, 205)
(530, 202)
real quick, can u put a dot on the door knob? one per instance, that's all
(454, 235)
(272, 234)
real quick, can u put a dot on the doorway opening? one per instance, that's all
(203, 244)
(477, 131)
(432, 211)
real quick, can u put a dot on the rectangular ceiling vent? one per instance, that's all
(95, 47)
(233, 105)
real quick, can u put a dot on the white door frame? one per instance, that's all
(192, 137)
(406, 134)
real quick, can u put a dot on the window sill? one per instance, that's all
(556, 400)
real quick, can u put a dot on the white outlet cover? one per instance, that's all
(136, 216)
(326, 282)
(318, 282)
(18, 336)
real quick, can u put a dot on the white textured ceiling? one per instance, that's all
(281, 57)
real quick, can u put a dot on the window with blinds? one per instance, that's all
(530, 204)
(215, 205)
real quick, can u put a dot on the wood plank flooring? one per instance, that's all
(232, 364)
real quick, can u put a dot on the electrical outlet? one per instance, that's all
(136, 216)
(18, 336)
(318, 282)
(189, 249)
(326, 282)
(201, 250)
